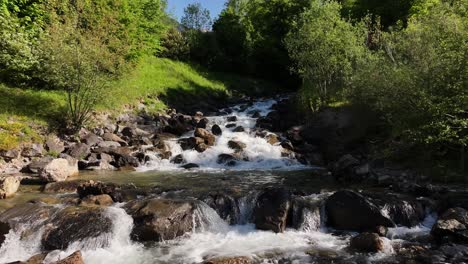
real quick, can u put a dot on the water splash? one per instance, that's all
(258, 154)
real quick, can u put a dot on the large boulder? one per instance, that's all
(75, 224)
(118, 193)
(160, 219)
(271, 210)
(401, 209)
(367, 242)
(58, 169)
(452, 225)
(115, 138)
(8, 186)
(349, 210)
(33, 150)
(206, 135)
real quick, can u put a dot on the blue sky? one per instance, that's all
(176, 7)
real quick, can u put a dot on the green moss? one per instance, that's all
(15, 131)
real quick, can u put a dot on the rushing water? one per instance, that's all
(212, 236)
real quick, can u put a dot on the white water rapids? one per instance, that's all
(260, 154)
(213, 237)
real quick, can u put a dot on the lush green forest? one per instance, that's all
(404, 60)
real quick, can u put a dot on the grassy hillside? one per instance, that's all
(159, 83)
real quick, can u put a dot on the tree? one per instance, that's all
(325, 48)
(196, 18)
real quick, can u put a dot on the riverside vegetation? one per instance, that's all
(305, 131)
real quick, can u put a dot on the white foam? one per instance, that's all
(260, 154)
(423, 228)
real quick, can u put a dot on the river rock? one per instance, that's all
(271, 210)
(10, 154)
(58, 169)
(74, 258)
(189, 166)
(231, 118)
(236, 145)
(216, 130)
(286, 144)
(160, 219)
(54, 145)
(116, 192)
(452, 225)
(102, 200)
(272, 139)
(115, 138)
(206, 135)
(62, 187)
(225, 205)
(227, 159)
(91, 139)
(229, 260)
(109, 144)
(367, 242)
(201, 147)
(239, 129)
(230, 125)
(79, 151)
(401, 209)
(75, 224)
(8, 186)
(203, 122)
(122, 161)
(178, 159)
(349, 210)
(33, 150)
(4, 230)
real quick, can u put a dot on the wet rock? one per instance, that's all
(4, 230)
(230, 125)
(74, 258)
(401, 209)
(272, 139)
(118, 193)
(229, 260)
(367, 242)
(224, 205)
(189, 166)
(231, 118)
(33, 150)
(271, 210)
(236, 145)
(345, 165)
(256, 114)
(349, 210)
(286, 144)
(160, 219)
(206, 135)
(179, 159)
(216, 130)
(54, 145)
(36, 259)
(226, 159)
(9, 186)
(239, 129)
(452, 226)
(102, 200)
(75, 224)
(91, 139)
(201, 147)
(58, 169)
(62, 187)
(202, 123)
(125, 161)
(79, 151)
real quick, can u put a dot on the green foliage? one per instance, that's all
(326, 49)
(419, 80)
(15, 131)
(175, 45)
